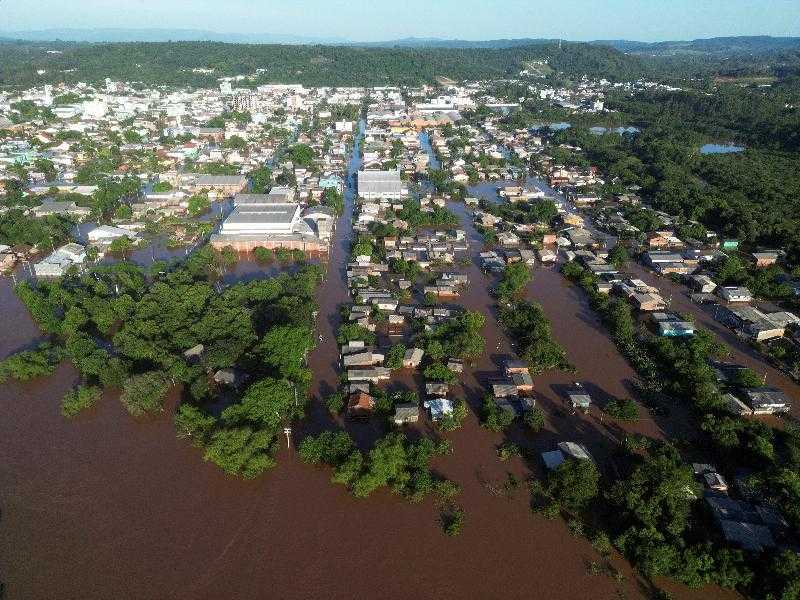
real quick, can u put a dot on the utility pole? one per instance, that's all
(288, 433)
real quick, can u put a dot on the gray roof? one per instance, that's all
(765, 396)
(253, 199)
(214, 180)
(749, 536)
(379, 182)
(274, 213)
(406, 410)
(319, 210)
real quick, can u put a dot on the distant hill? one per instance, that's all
(719, 46)
(413, 42)
(117, 35)
(410, 61)
(712, 46)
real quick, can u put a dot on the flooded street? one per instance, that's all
(106, 506)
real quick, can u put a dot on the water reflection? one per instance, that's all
(720, 149)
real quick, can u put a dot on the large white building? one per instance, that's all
(95, 109)
(373, 185)
(260, 220)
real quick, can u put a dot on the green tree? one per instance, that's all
(45, 166)
(302, 154)
(121, 245)
(198, 204)
(235, 142)
(572, 485)
(336, 402)
(623, 409)
(144, 393)
(263, 255)
(260, 180)
(285, 348)
(330, 447)
(266, 404)
(333, 199)
(618, 256)
(493, 417)
(747, 378)
(241, 451)
(513, 280)
(30, 364)
(349, 332)
(79, 399)
(534, 419)
(395, 356)
(437, 371)
(162, 187)
(194, 424)
(452, 520)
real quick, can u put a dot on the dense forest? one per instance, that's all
(762, 117)
(173, 63)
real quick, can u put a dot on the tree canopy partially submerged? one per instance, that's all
(125, 328)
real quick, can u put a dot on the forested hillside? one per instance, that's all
(173, 63)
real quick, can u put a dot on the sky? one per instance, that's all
(376, 20)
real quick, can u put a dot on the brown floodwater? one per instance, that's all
(106, 506)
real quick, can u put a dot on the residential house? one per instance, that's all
(412, 358)
(438, 408)
(405, 412)
(733, 293)
(223, 185)
(765, 258)
(57, 263)
(767, 400)
(579, 398)
(563, 452)
(360, 405)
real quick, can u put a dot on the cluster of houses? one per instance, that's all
(751, 322)
(387, 303)
(759, 400)
(747, 522)
(513, 391)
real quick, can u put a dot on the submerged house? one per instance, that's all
(565, 451)
(360, 405)
(579, 397)
(767, 400)
(57, 263)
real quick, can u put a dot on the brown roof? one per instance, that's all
(360, 403)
